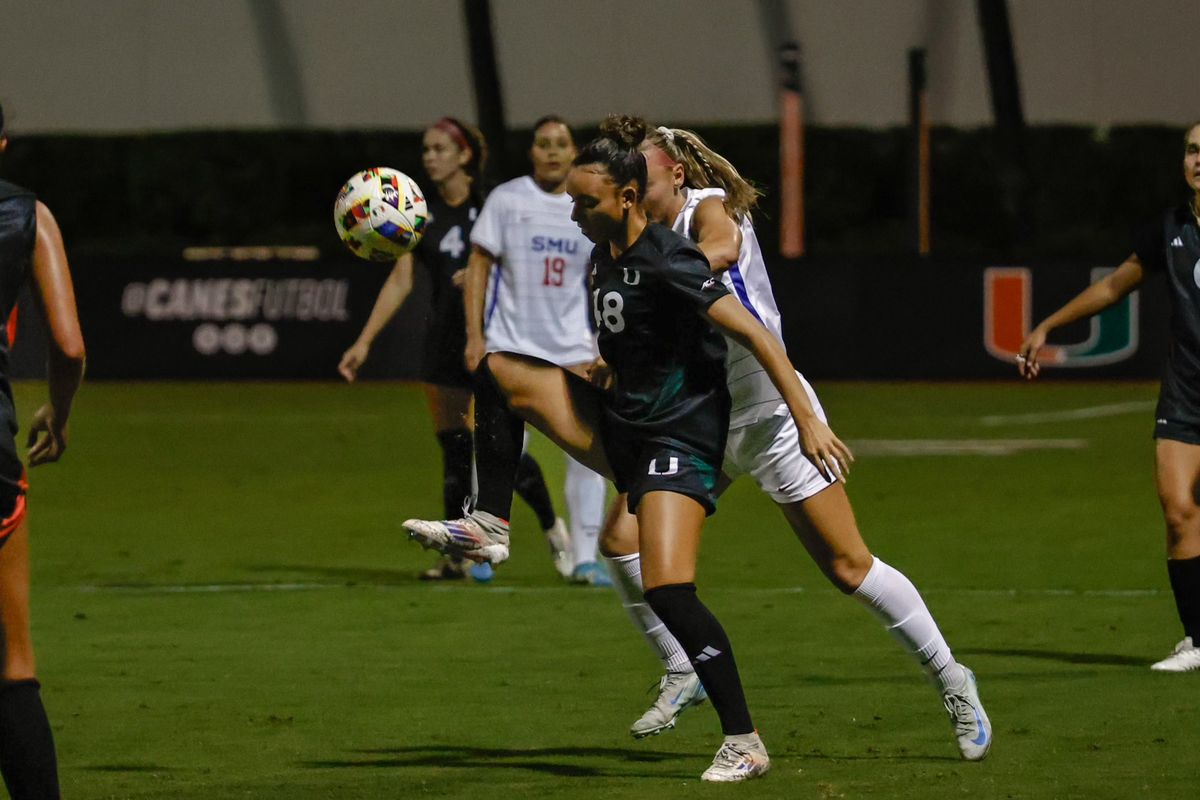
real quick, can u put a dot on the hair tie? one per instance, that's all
(667, 133)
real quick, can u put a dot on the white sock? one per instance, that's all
(626, 572)
(896, 603)
(585, 492)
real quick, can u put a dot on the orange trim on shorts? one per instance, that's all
(12, 327)
(14, 520)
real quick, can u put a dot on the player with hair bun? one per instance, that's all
(659, 425)
(454, 155)
(701, 195)
(31, 251)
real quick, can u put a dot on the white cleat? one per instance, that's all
(467, 537)
(677, 692)
(558, 538)
(1184, 658)
(972, 729)
(738, 761)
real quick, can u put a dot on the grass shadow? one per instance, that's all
(1109, 659)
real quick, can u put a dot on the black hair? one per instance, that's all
(617, 149)
(557, 120)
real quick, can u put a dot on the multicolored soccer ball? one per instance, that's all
(380, 214)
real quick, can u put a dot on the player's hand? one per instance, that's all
(1027, 357)
(473, 354)
(352, 359)
(459, 278)
(600, 374)
(47, 438)
(827, 452)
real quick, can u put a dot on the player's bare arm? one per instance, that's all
(828, 454)
(394, 292)
(56, 295)
(716, 234)
(1092, 300)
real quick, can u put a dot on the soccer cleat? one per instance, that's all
(558, 538)
(972, 729)
(591, 573)
(482, 572)
(444, 569)
(1184, 658)
(468, 537)
(677, 692)
(738, 761)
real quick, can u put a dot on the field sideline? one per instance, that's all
(224, 608)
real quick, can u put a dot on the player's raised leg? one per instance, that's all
(509, 388)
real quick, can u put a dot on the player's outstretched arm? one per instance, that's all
(474, 293)
(392, 294)
(56, 296)
(716, 234)
(1092, 300)
(828, 454)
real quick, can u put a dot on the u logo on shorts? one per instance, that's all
(672, 467)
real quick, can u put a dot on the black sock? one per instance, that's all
(498, 436)
(1185, 583)
(456, 470)
(531, 486)
(706, 644)
(27, 759)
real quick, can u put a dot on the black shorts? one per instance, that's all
(660, 465)
(1177, 431)
(443, 362)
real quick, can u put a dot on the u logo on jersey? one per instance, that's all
(631, 277)
(672, 467)
(1007, 304)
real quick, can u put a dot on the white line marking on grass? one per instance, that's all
(210, 588)
(960, 447)
(1091, 412)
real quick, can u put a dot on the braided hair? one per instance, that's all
(705, 168)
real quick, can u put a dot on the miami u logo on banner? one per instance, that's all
(1007, 308)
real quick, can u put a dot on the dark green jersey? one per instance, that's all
(668, 361)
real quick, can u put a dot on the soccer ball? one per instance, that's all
(380, 214)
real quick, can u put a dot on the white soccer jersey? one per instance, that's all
(753, 394)
(537, 299)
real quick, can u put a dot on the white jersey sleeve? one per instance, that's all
(537, 303)
(753, 395)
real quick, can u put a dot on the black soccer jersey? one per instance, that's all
(18, 235)
(1172, 246)
(446, 246)
(668, 361)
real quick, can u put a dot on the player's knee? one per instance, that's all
(847, 571)
(1182, 517)
(619, 537)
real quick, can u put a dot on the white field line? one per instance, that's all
(1090, 412)
(960, 447)
(233, 588)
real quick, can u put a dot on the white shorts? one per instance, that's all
(769, 451)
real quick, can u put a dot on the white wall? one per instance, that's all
(135, 65)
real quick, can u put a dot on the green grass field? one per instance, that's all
(224, 607)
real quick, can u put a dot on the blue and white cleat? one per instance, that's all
(482, 572)
(738, 760)
(972, 729)
(470, 537)
(677, 692)
(591, 573)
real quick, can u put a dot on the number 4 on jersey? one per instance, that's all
(453, 243)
